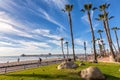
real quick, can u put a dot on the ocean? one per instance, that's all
(5, 59)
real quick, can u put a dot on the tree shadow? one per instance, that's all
(110, 77)
(45, 76)
(36, 75)
(70, 76)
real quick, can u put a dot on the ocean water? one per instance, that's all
(5, 59)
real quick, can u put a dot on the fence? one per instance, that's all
(15, 67)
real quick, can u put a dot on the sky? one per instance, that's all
(36, 26)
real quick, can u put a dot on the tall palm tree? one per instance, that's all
(68, 8)
(62, 47)
(67, 49)
(102, 17)
(88, 8)
(103, 8)
(115, 31)
(103, 47)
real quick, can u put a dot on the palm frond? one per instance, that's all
(97, 19)
(99, 31)
(111, 17)
(94, 8)
(68, 7)
(108, 5)
(102, 7)
(62, 39)
(101, 16)
(118, 28)
(82, 10)
(115, 28)
(63, 10)
(88, 6)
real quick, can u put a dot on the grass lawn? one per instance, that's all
(50, 72)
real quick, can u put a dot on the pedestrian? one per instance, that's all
(40, 60)
(18, 59)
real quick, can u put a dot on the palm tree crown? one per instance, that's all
(88, 7)
(68, 7)
(100, 31)
(115, 28)
(62, 39)
(104, 6)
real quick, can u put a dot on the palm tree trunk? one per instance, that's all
(67, 51)
(85, 51)
(62, 49)
(109, 35)
(70, 21)
(108, 38)
(93, 37)
(117, 41)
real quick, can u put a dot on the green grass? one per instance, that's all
(50, 72)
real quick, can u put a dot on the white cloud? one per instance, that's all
(41, 31)
(6, 28)
(15, 25)
(46, 16)
(5, 44)
(18, 51)
(85, 17)
(80, 42)
(57, 3)
(33, 45)
(46, 33)
(56, 42)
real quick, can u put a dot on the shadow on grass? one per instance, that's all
(71, 76)
(45, 76)
(110, 77)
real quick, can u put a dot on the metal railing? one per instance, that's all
(15, 67)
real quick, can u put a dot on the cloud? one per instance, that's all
(26, 36)
(56, 42)
(59, 3)
(46, 16)
(85, 17)
(79, 42)
(46, 33)
(32, 44)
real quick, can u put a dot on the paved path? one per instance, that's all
(15, 66)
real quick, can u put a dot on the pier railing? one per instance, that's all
(7, 67)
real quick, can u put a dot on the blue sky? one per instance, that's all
(35, 26)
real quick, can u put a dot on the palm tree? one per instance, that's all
(102, 17)
(68, 8)
(88, 7)
(115, 31)
(62, 47)
(67, 49)
(103, 8)
(103, 47)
